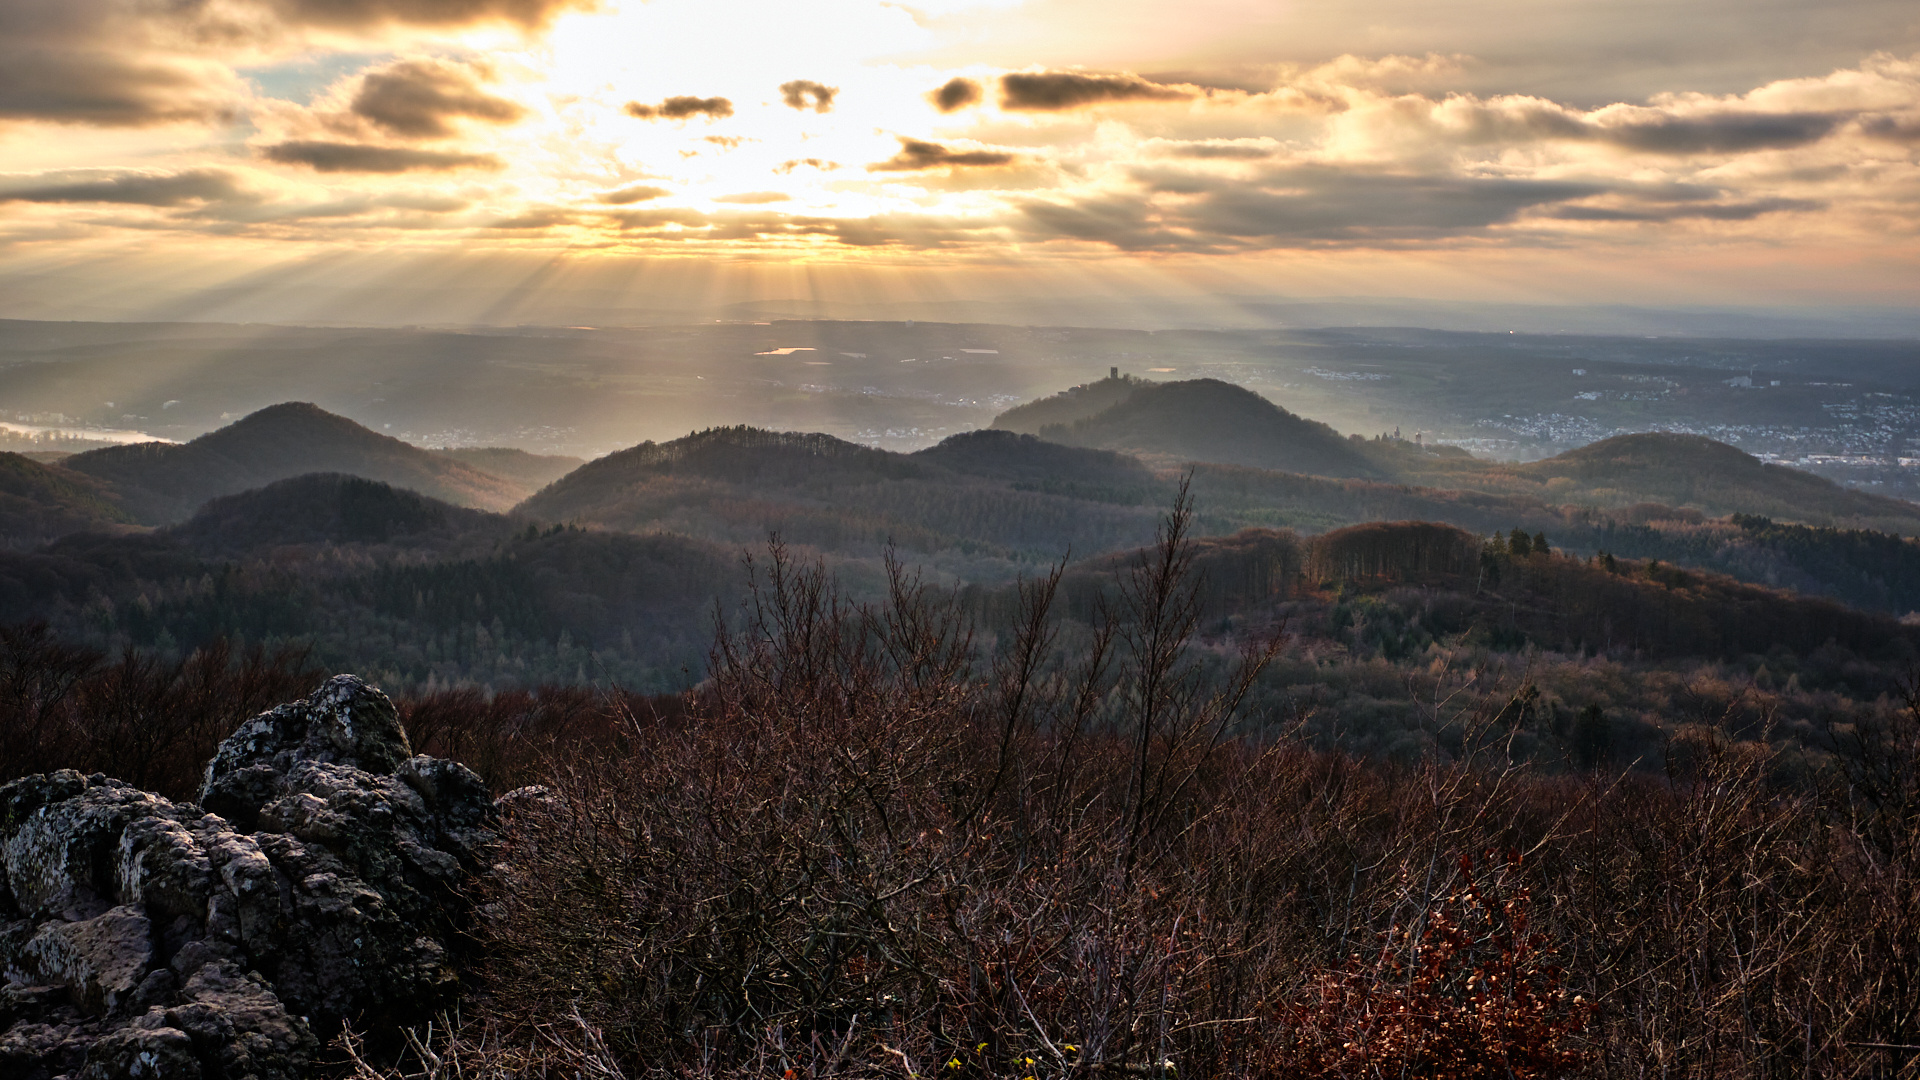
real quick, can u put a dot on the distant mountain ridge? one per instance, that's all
(161, 483)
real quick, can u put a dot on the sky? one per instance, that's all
(1731, 152)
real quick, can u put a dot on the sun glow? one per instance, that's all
(862, 133)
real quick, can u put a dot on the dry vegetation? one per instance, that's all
(866, 850)
(879, 842)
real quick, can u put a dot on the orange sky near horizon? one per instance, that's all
(1701, 151)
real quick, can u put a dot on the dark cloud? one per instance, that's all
(1050, 91)
(1891, 128)
(1316, 204)
(1126, 222)
(331, 157)
(1221, 151)
(813, 162)
(958, 93)
(1724, 133)
(1299, 207)
(417, 98)
(754, 198)
(1736, 211)
(132, 63)
(628, 195)
(368, 13)
(681, 107)
(75, 83)
(916, 155)
(132, 188)
(1651, 131)
(807, 94)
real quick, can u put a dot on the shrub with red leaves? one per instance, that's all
(1467, 992)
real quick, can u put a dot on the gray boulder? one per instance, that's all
(318, 882)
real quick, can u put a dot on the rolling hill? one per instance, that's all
(1035, 464)
(41, 502)
(1069, 405)
(1691, 470)
(332, 508)
(160, 483)
(959, 503)
(1213, 421)
(383, 580)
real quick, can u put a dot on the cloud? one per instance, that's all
(90, 62)
(1734, 211)
(916, 155)
(805, 93)
(1891, 128)
(135, 63)
(1051, 91)
(529, 14)
(130, 188)
(754, 198)
(1328, 204)
(628, 195)
(417, 98)
(656, 219)
(1222, 149)
(726, 142)
(536, 218)
(682, 107)
(1298, 206)
(1679, 129)
(812, 162)
(957, 93)
(1125, 222)
(332, 157)
(1723, 132)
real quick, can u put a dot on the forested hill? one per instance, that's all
(1213, 421)
(963, 507)
(1069, 405)
(41, 502)
(1208, 422)
(1428, 582)
(334, 509)
(1692, 470)
(164, 482)
(377, 579)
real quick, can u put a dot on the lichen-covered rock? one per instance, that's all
(100, 961)
(346, 722)
(61, 855)
(143, 1053)
(318, 882)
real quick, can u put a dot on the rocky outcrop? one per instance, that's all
(317, 881)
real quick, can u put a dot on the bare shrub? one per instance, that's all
(142, 718)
